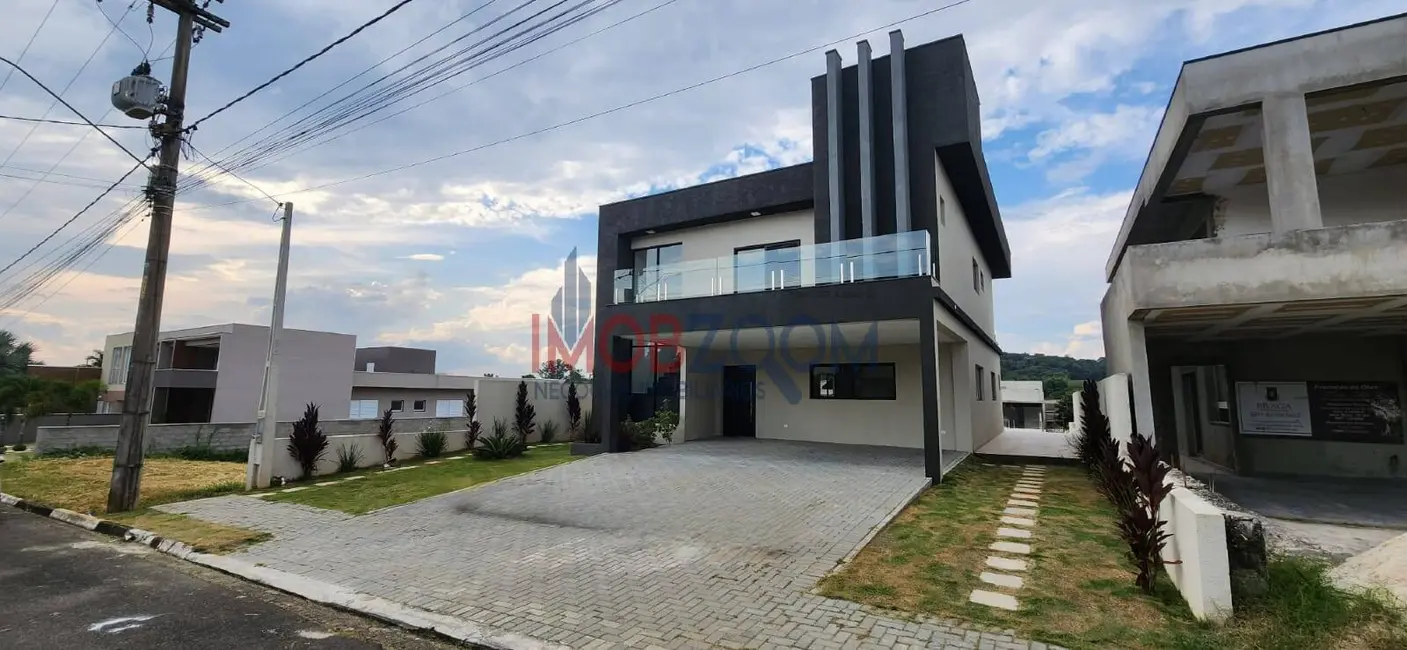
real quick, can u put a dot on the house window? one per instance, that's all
(121, 359)
(657, 275)
(1218, 396)
(980, 378)
(364, 409)
(767, 266)
(976, 279)
(397, 405)
(865, 381)
(418, 406)
(448, 408)
(942, 211)
(996, 395)
(371, 366)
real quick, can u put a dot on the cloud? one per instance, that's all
(425, 257)
(1081, 144)
(1086, 341)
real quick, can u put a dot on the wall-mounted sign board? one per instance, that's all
(1363, 411)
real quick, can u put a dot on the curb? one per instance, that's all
(412, 618)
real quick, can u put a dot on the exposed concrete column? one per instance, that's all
(1289, 164)
(834, 161)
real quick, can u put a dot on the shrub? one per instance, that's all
(205, 452)
(501, 444)
(76, 452)
(573, 413)
(19, 447)
(308, 444)
(664, 424)
(548, 431)
(589, 433)
(1140, 524)
(476, 428)
(523, 415)
(349, 458)
(430, 443)
(385, 432)
(1092, 423)
(641, 434)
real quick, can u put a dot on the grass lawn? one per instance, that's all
(81, 484)
(382, 489)
(1079, 590)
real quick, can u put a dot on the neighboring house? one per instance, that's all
(216, 374)
(832, 301)
(1023, 404)
(1258, 285)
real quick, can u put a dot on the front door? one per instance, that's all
(740, 401)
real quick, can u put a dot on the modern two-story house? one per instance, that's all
(846, 300)
(1258, 286)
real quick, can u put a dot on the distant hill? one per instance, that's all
(1038, 367)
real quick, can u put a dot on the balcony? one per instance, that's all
(883, 257)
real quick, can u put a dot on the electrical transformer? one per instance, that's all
(137, 95)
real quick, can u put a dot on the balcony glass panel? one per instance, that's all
(898, 255)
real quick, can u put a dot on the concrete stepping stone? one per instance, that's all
(1002, 580)
(1018, 521)
(1029, 490)
(1021, 503)
(432, 462)
(1027, 493)
(1011, 547)
(1019, 533)
(293, 489)
(1020, 512)
(994, 599)
(1006, 563)
(324, 483)
(353, 478)
(1029, 484)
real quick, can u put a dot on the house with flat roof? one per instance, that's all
(1023, 404)
(1257, 294)
(846, 300)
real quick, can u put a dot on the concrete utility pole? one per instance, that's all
(261, 453)
(161, 189)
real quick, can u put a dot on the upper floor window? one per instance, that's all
(942, 211)
(655, 275)
(976, 277)
(767, 266)
(980, 379)
(121, 360)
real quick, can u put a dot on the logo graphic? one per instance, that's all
(570, 323)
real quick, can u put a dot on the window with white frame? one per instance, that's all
(117, 372)
(364, 409)
(448, 408)
(980, 378)
(418, 406)
(397, 405)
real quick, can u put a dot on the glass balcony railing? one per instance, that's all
(898, 255)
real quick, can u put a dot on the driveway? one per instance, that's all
(703, 544)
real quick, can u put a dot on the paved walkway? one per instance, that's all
(1029, 443)
(700, 545)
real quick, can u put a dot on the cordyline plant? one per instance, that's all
(1099, 452)
(524, 415)
(573, 412)
(385, 432)
(471, 411)
(1140, 525)
(308, 444)
(1086, 443)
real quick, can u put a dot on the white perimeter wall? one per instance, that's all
(1198, 562)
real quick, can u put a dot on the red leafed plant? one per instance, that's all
(1140, 525)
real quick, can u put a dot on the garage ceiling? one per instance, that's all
(1373, 316)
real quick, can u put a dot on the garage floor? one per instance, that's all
(715, 543)
(1380, 503)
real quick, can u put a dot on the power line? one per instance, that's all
(54, 182)
(70, 220)
(609, 111)
(99, 7)
(33, 36)
(300, 64)
(236, 176)
(58, 98)
(70, 123)
(58, 290)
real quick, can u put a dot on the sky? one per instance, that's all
(457, 254)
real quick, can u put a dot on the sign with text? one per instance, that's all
(1364, 411)
(1277, 409)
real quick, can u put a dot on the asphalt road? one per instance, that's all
(63, 587)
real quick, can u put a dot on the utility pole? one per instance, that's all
(262, 450)
(161, 190)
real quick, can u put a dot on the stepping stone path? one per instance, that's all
(1017, 520)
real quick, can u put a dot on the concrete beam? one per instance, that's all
(1246, 316)
(1289, 164)
(1350, 316)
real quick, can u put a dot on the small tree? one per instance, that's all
(471, 411)
(524, 415)
(1140, 525)
(1093, 427)
(385, 431)
(308, 444)
(573, 412)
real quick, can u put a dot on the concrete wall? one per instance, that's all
(1198, 562)
(384, 397)
(702, 401)
(361, 434)
(1114, 399)
(956, 250)
(979, 421)
(396, 359)
(25, 430)
(316, 367)
(1372, 196)
(159, 437)
(705, 243)
(498, 397)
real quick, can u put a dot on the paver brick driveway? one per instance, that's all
(705, 544)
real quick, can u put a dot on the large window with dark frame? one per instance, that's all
(767, 267)
(853, 381)
(656, 277)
